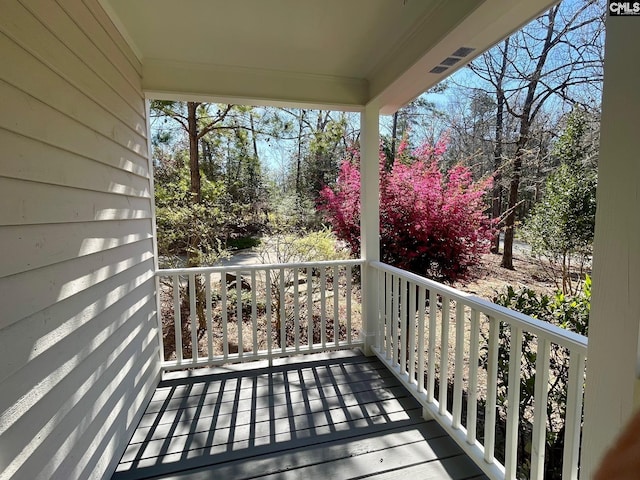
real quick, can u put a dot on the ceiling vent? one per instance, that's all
(463, 52)
(438, 69)
(449, 61)
(455, 57)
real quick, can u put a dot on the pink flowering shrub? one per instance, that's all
(430, 223)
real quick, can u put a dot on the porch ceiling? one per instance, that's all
(328, 53)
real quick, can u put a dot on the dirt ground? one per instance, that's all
(488, 278)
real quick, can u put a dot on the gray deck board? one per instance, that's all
(338, 415)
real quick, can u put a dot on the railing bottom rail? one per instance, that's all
(172, 365)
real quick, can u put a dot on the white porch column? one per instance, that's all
(612, 368)
(369, 218)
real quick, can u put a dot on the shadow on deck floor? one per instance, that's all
(340, 415)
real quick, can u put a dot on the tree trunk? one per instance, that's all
(299, 156)
(526, 120)
(509, 232)
(496, 205)
(253, 136)
(194, 185)
(194, 162)
(394, 131)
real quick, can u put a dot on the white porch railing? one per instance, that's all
(429, 348)
(449, 357)
(231, 314)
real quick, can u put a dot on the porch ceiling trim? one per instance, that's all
(223, 84)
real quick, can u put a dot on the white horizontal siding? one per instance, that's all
(41, 334)
(46, 410)
(110, 50)
(43, 245)
(64, 61)
(24, 157)
(35, 119)
(78, 326)
(61, 30)
(34, 290)
(103, 20)
(54, 204)
(58, 93)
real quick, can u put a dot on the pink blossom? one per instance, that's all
(430, 223)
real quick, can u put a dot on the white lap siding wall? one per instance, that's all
(78, 329)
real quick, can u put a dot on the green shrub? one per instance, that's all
(569, 312)
(560, 227)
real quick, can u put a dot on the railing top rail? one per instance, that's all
(248, 268)
(555, 334)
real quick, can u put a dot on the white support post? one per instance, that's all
(369, 220)
(611, 393)
(154, 232)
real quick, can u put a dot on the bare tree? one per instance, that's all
(557, 57)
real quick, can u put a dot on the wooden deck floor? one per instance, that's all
(328, 416)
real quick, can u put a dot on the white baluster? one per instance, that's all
(177, 317)
(444, 356)
(431, 353)
(573, 417)
(283, 314)
(254, 311)
(323, 307)
(225, 319)
(458, 382)
(349, 335)
(269, 306)
(336, 305)
(207, 294)
(422, 298)
(310, 307)
(239, 312)
(513, 404)
(472, 405)
(194, 318)
(296, 310)
(492, 389)
(404, 320)
(541, 392)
